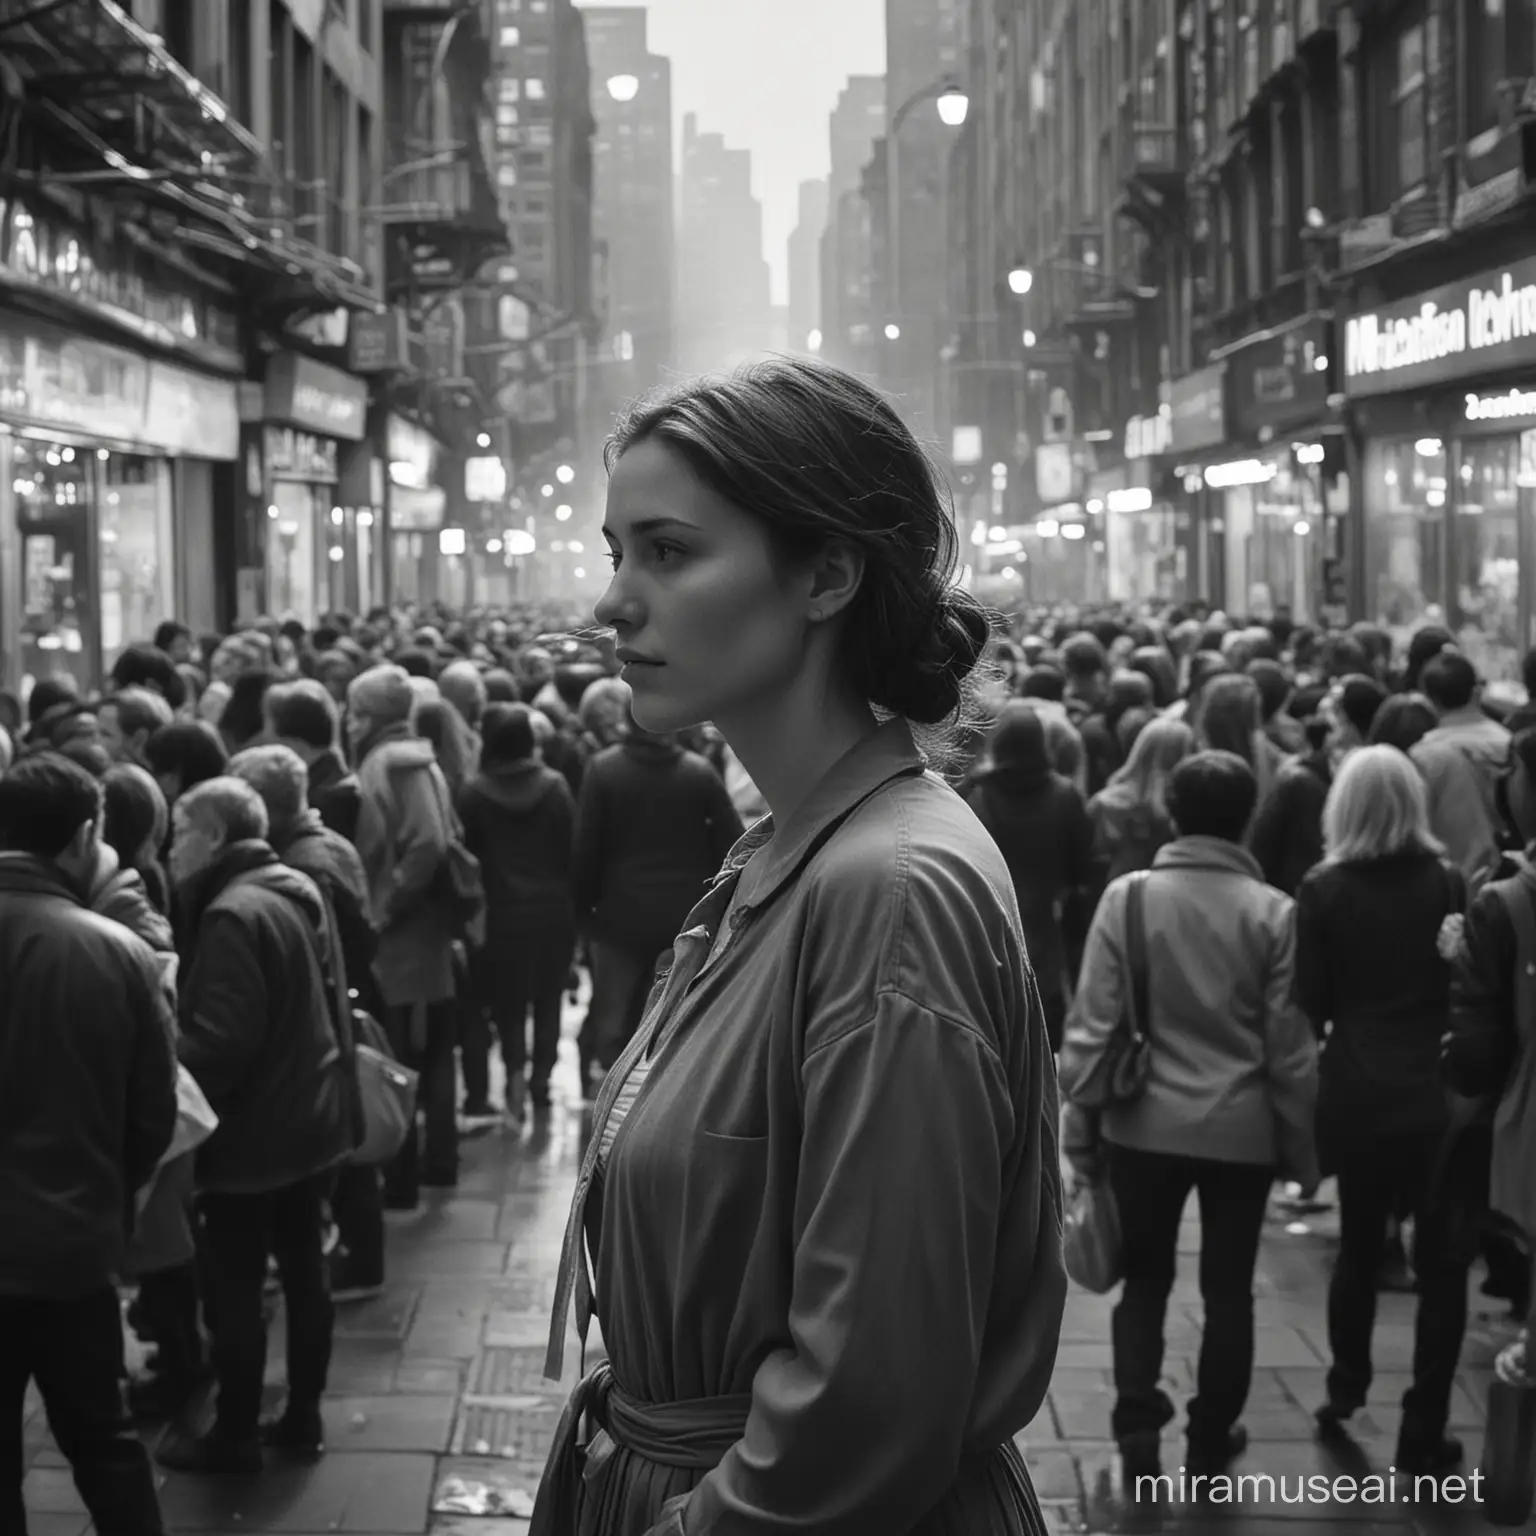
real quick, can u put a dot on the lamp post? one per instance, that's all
(953, 108)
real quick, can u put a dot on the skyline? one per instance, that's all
(778, 40)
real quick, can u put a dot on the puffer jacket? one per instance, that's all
(1234, 1068)
(402, 839)
(256, 1026)
(121, 894)
(87, 1083)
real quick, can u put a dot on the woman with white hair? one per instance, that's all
(1371, 978)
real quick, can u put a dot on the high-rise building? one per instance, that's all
(857, 121)
(804, 312)
(721, 268)
(845, 281)
(632, 201)
(924, 48)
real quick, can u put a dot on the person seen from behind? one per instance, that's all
(1228, 1105)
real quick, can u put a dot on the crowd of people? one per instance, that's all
(1295, 855)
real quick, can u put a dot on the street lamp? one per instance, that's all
(565, 474)
(893, 332)
(624, 87)
(954, 107)
(484, 440)
(813, 342)
(1020, 280)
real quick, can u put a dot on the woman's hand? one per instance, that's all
(1448, 940)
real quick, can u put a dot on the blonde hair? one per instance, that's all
(1376, 807)
(1160, 746)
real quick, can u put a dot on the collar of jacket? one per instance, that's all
(204, 888)
(887, 754)
(326, 770)
(25, 873)
(399, 730)
(1214, 853)
(308, 824)
(652, 749)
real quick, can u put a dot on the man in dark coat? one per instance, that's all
(258, 1034)
(304, 717)
(87, 1108)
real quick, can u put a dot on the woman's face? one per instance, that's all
(696, 593)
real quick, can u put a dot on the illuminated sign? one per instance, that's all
(1512, 404)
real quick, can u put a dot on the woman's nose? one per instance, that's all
(615, 605)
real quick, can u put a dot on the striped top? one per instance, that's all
(621, 1107)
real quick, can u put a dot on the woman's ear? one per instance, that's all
(836, 574)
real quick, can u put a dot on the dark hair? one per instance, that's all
(134, 806)
(297, 715)
(1423, 646)
(48, 693)
(1344, 656)
(139, 708)
(500, 686)
(1212, 794)
(191, 749)
(1154, 662)
(417, 663)
(1043, 683)
(1274, 686)
(1360, 698)
(1449, 679)
(90, 755)
(1083, 656)
(243, 719)
(506, 734)
(818, 455)
(168, 632)
(44, 801)
(1402, 720)
(147, 666)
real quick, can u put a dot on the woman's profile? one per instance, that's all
(821, 1196)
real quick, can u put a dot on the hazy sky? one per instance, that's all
(766, 74)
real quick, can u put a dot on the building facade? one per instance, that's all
(804, 309)
(847, 281)
(724, 310)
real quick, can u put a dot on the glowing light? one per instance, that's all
(624, 87)
(1029, 338)
(1136, 498)
(337, 554)
(1320, 364)
(565, 474)
(365, 519)
(1302, 528)
(813, 342)
(893, 332)
(1310, 453)
(563, 513)
(338, 517)
(1428, 447)
(1073, 531)
(1048, 528)
(1020, 281)
(483, 440)
(1239, 472)
(954, 107)
(493, 546)
(546, 490)
(103, 454)
(451, 541)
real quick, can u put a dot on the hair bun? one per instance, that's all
(927, 685)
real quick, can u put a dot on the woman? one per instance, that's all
(1231, 719)
(183, 755)
(134, 827)
(1369, 974)
(1039, 822)
(456, 745)
(1130, 814)
(821, 1190)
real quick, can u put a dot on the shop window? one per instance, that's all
(1404, 496)
(135, 539)
(1487, 532)
(291, 551)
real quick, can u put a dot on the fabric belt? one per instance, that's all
(691, 1436)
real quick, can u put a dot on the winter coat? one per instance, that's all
(402, 838)
(256, 1024)
(121, 894)
(1461, 759)
(1287, 836)
(520, 822)
(1127, 832)
(653, 825)
(87, 1083)
(334, 793)
(1233, 1060)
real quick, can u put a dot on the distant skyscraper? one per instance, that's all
(856, 122)
(724, 293)
(632, 214)
(805, 264)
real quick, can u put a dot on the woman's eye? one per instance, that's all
(662, 548)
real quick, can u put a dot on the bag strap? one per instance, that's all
(1136, 952)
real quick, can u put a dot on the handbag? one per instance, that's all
(461, 884)
(386, 1092)
(1090, 1239)
(1118, 1072)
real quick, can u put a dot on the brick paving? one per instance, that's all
(437, 1401)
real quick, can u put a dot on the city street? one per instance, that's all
(439, 1419)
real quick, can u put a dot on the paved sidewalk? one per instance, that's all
(437, 1406)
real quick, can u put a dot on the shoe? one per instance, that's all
(539, 1095)
(213, 1452)
(350, 1282)
(1140, 1456)
(1209, 1458)
(300, 1434)
(160, 1397)
(1333, 1415)
(1415, 1459)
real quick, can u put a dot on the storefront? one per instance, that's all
(1144, 554)
(314, 417)
(106, 494)
(1197, 434)
(417, 508)
(1443, 389)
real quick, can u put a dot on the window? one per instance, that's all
(536, 163)
(1398, 62)
(1500, 45)
(540, 135)
(508, 7)
(509, 89)
(508, 134)
(511, 36)
(506, 115)
(278, 93)
(305, 160)
(506, 174)
(535, 90)
(1409, 99)
(177, 28)
(237, 67)
(338, 195)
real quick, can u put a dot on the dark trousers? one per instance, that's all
(527, 970)
(1375, 1179)
(621, 982)
(423, 1036)
(239, 1232)
(74, 1350)
(475, 1053)
(168, 1307)
(357, 1204)
(1150, 1190)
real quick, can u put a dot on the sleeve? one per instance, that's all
(1290, 1052)
(856, 1423)
(151, 1084)
(421, 841)
(1312, 973)
(1480, 1045)
(586, 858)
(1098, 1005)
(223, 1008)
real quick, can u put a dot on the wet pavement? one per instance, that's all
(439, 1420)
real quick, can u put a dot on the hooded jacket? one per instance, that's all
(1039, 822)
(87, 1083)
(402, 839)
(520, 822)
(256, 1027)
(334, 793)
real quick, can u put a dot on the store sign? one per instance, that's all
(377, 342)
(1512, 405)
(1276, 380)
(303, 393)
(1474, 326)
(1197, 406)
(485, 479)
(40, 251)
(1146, 437)
(51, 378)
(413, 454)
(292, 455)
